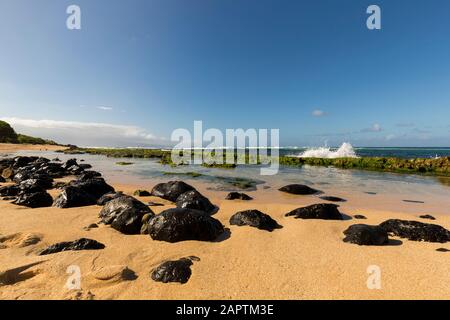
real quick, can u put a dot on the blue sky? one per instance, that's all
(137, 70)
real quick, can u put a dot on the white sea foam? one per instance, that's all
(345, 151)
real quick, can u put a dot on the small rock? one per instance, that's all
(427, 216)
(413, 201)
(141, 193)
(91, 226)
(443, 250)
(332, 199)
(80, 244)
(114, 273)
(238, 196)
(155, 204)
(324, 211)
(254, 218)
(359, 216)
(173, 271)
(365, 235)
(299, 189)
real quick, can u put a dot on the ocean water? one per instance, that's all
(334, 181)
(347, 150)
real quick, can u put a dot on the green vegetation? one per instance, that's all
(437, 167)
(189, 174)
(8, 135)
(123, 163)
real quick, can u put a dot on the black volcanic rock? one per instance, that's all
(95, 187)
(42, 182)
(299, 189)
(359, 216)
(9, 191)
(325, 211)
(108, 197)
(365, 235)
(72, 197)
(34, 200)
(181, 224)
(332, 199)
(428, 217)
(173, 271)
(416, 231)
(142, 193)
(195, 200)
(238, 196)
(80, 244)
(171, 190)
(254, 218)
(125, 214)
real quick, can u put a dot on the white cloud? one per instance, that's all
(374, 128)
(318, 113)
(105, 108)
(86, 133)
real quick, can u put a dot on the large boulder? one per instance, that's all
(325, 211)
(254, 218)
(416, 231)
(96, 187)
(125, 214)
(180, 224)
(173, 271)
(80, 244)
(38, 199)
(365, 235)
(299, 189)
(195, 200)
(72, 197)
(171, 190)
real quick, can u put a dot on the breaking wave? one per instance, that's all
(345, 151)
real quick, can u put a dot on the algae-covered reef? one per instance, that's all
(432, 166)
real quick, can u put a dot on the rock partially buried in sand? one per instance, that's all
(332, 199)
(173, 271)
(443, 250)
(238, 196)
(365, 235)
(325, 211)
(171, 190)
(142, 193)
(80, 244)
(195, 200)
(416, 231)
(254, 218)
(9, 191)
(181, 224)
(114, 273)
(125, 214)
(34, 200)
(299, 189)
(359, 216)
(72, 197)
(155, 204)
(108, 197)
(427, 216)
